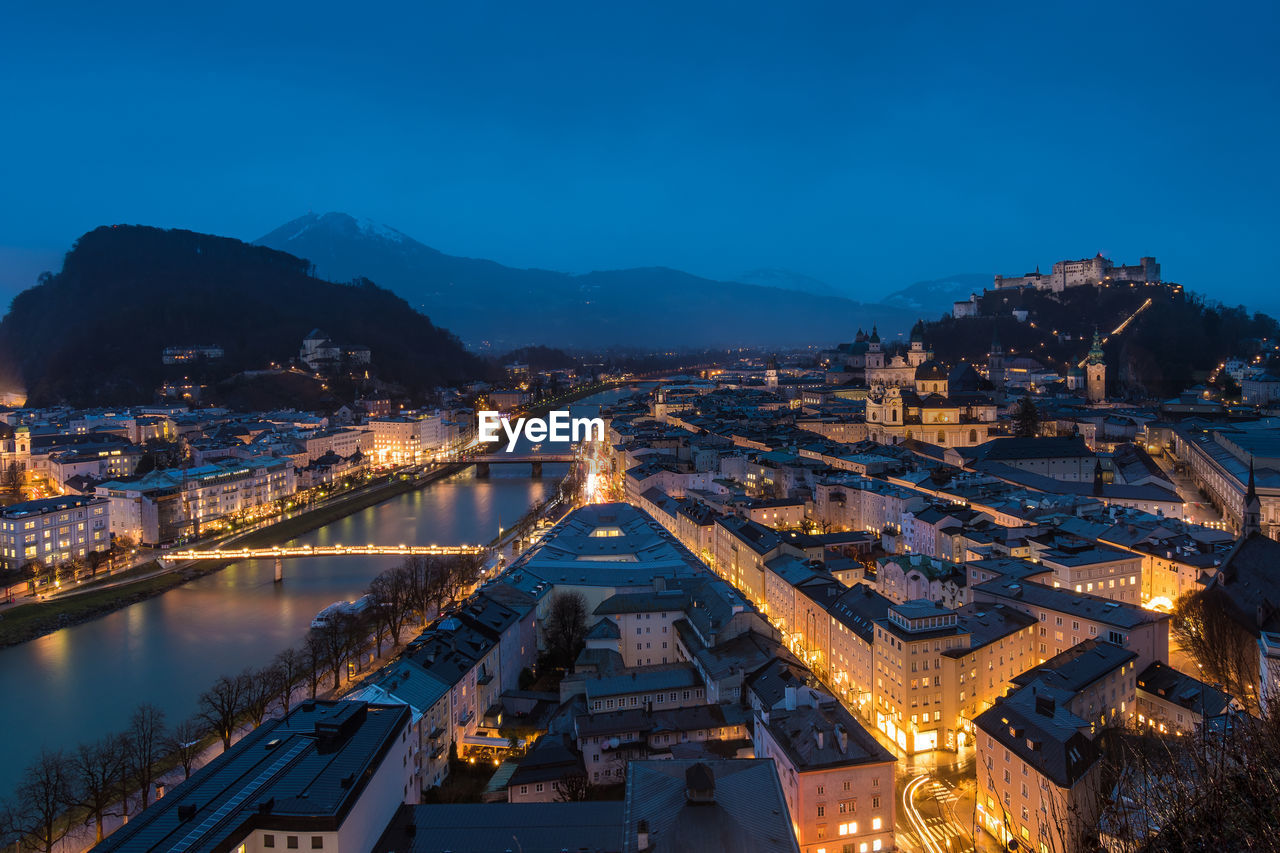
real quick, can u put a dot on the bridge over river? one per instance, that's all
(536, 459)
(280, 552)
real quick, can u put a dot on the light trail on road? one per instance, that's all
(915, 818)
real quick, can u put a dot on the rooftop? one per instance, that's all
(823, 737)
(310, 767)
(1079, 666)
(695, 806)
(540, 828)
(1063, 600)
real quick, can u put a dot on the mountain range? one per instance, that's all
(500, 307)
(934, 297)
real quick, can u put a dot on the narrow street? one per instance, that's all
(1199, 510)
(935, 803)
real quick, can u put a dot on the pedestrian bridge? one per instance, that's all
(281, 552)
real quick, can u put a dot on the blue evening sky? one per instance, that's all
(866, 144)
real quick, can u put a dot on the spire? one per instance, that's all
(1095, 351)
(875, 335)
(1097, 477)
(1252, 519)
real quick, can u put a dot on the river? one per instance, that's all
(83, 682)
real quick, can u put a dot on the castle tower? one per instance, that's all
(1096, 372)
(1251, 521)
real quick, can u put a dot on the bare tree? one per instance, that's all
(356, 637)
(11, 827)
(143, 746)
(373, 626)
(564, 630)
(95, 771)
(313, 657)
(390, 591)
(417, 590)
(183, 743)
(43, 797)
(464, 571)
(291, 671)
(222, 705)
(333, 642)
(1226, 652)
(1213, 789)
(572, 789)
(260, 691)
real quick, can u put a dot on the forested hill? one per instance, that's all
(1174, 342)
(93, 333)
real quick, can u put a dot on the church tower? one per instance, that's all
(875, 357)
(1251, 523)
(995, 360)
(771, 374)
(917, 356)
(1096, 372)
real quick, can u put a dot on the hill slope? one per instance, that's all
(786, 280)
(654, 307)
(1175, 341)
(93, 333)
(933, 298)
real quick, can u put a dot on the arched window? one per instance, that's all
(942, 437)
(909, 436)
(973, 436)
(895, 416)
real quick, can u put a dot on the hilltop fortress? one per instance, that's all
(1095, 270)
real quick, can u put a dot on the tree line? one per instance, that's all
(91, 782)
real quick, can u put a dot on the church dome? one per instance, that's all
(931, 371)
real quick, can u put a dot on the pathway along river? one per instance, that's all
(83, 682)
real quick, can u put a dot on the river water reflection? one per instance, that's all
(83, 682)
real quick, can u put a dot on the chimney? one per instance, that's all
(642, 835)
(842, 737)
(1045, 706)
(818, 737)
(790, 698)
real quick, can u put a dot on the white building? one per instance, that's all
(162, 506)
(53, 530)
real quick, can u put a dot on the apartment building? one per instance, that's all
(1086, 567)
(1067, 617)
(53, 531)
(1098, 677)
(1002, 644)
(1173, 702)
(836, 778)
(1037, 773)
